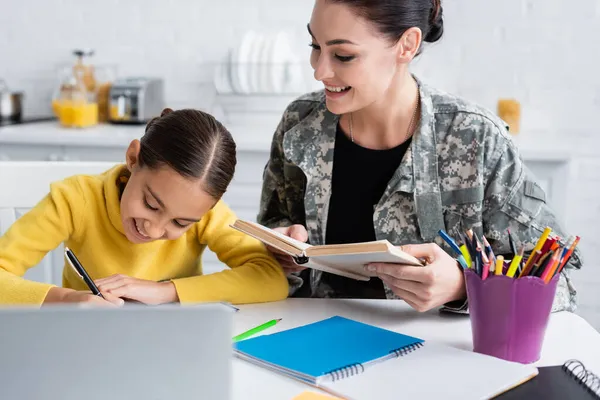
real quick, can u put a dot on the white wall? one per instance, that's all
(545, 53)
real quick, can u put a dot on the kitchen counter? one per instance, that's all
(249, 138)
(112, 135)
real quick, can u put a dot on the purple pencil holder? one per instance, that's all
(509, 316)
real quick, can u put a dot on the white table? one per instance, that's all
(568, 336)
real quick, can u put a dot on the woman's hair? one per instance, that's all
(394, 17)
(194, 144)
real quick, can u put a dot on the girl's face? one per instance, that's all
(356, 64)
(160, 204)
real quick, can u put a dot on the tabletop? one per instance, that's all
(568, 336)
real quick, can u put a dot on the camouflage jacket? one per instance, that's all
(462, 171)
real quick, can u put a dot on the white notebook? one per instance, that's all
(435, 371)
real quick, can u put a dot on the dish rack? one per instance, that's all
(260, 77)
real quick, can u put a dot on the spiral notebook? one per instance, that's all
(354, 360)
(572, 381)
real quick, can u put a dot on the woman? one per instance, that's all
(378, 154)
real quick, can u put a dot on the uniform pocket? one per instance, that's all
(463, 210)
(527, 202)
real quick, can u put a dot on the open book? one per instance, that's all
(346, 260)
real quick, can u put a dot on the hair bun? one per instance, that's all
(166, 111)
(436, 23)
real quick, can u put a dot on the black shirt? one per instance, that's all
(360, 177)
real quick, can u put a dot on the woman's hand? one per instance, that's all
(63, 295)
(297, 232)
(423, 288)
(144, 291)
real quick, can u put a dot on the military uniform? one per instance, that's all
(462, 171)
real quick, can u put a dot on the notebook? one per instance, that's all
(347, 260)
(568, 381)
(354, 360)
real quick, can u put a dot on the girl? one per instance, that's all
(378, 154)
(139, 228)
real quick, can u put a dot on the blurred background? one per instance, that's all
(80, 78)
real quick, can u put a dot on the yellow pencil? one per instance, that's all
(499, 265)
(466, 255)
(538, 246)
(514, 264)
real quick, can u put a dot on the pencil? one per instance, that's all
(511, 242)
(466, 255)
(488, 248)
(538, 246)
(568, 255)
(485, 266)
(514, 264)
(499, 265)
(541, 264)
(534, 257)
(551, 268)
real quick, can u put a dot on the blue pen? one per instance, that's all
(450, 242)
(454, 246)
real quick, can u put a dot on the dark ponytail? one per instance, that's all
(194, 144)
(394, 17)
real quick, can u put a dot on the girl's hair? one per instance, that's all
(194, 144)
(394, 17)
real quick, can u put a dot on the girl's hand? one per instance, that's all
(297, 232)
(144, 291)
(423, 288)
(63, 295)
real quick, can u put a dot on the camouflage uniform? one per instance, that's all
(462, 170)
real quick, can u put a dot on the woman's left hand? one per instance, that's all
(440, 281)
(144, 291)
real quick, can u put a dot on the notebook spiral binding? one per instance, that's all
(355, 369)
(407, 349)
(585, 377)
(347, 371)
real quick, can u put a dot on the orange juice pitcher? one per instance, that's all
(75, 101)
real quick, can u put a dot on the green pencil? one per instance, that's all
(256, 330)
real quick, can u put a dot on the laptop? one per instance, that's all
(150, 353)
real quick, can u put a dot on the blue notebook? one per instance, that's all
(326, 350)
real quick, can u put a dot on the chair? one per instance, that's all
(22, 185)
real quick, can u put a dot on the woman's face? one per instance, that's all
(356, 63)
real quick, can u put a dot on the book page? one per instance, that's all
(270, 236)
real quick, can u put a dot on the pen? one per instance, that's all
(76, 265)
(450, 241)
(256, 330)
(460, 257)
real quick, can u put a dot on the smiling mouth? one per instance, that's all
(337, 89)
(138, 230)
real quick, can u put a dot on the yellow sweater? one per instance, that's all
(84, 213)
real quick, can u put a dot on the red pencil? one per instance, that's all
(568, 255)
